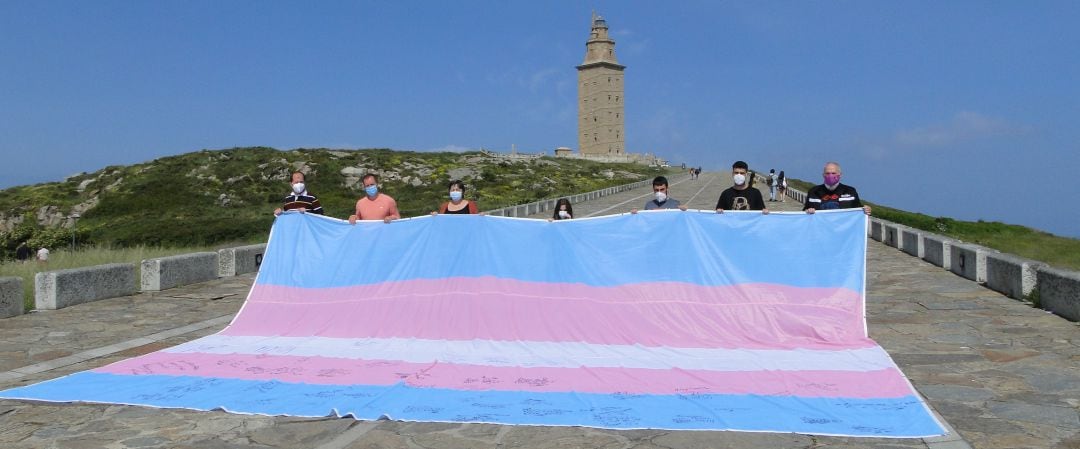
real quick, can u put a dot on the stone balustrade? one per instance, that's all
(1056, 290)
(11, 297)
(969, 261)
(240, 259)
(938, 250)
(525, 210)
(62, 288)
(1014, 276)
(168, 272)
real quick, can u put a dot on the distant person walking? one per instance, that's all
(771, 181)
(781, 186)
(374, 205)
(832, 194)
(22, 253)
(299, 199)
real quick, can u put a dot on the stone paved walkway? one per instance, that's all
(1002, 374)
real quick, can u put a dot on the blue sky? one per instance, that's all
(956, 108)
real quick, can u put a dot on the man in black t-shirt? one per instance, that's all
(832, 194)
(740, 196)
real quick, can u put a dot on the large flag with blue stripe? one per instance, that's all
(664, 320)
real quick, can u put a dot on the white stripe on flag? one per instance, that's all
(544, 354)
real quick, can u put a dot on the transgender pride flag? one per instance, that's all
(663, 320)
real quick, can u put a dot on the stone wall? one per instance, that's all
(968, 261)
(524, 210)
(168, 272)
(1014, 276)
(912, 241)
(62, 288)
(1058, 290)
(240, 260)
(938, 250)
(11, 297)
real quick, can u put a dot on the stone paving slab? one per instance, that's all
(1002, 374)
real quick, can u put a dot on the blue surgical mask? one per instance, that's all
(455, 196)
(371, 190)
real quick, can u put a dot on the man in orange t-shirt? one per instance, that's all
(374, 205)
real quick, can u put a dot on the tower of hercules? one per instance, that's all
(600, 95)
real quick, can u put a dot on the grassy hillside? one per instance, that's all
(208, 197)
(1023, 241)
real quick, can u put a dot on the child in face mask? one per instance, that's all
(563, 210)
(458, 204)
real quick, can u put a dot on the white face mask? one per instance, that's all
(661, 197)
(564, 214)
(740, 179)
(298, 187)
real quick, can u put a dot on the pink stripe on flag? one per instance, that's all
(754, 316)
(886, 383)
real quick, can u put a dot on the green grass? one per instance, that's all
(87, 257)
(1062, 252)
(204, 197)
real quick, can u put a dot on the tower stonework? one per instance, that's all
(600, 95)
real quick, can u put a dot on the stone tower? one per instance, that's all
(600, 95)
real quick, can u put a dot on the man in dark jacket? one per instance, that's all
(832, 194)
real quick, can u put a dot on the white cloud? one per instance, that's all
(964, 126)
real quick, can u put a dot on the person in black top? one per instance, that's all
(457, 204)
(22, 253)
(740, 196)
(299, 199)
(832, 194)
(563, 210)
